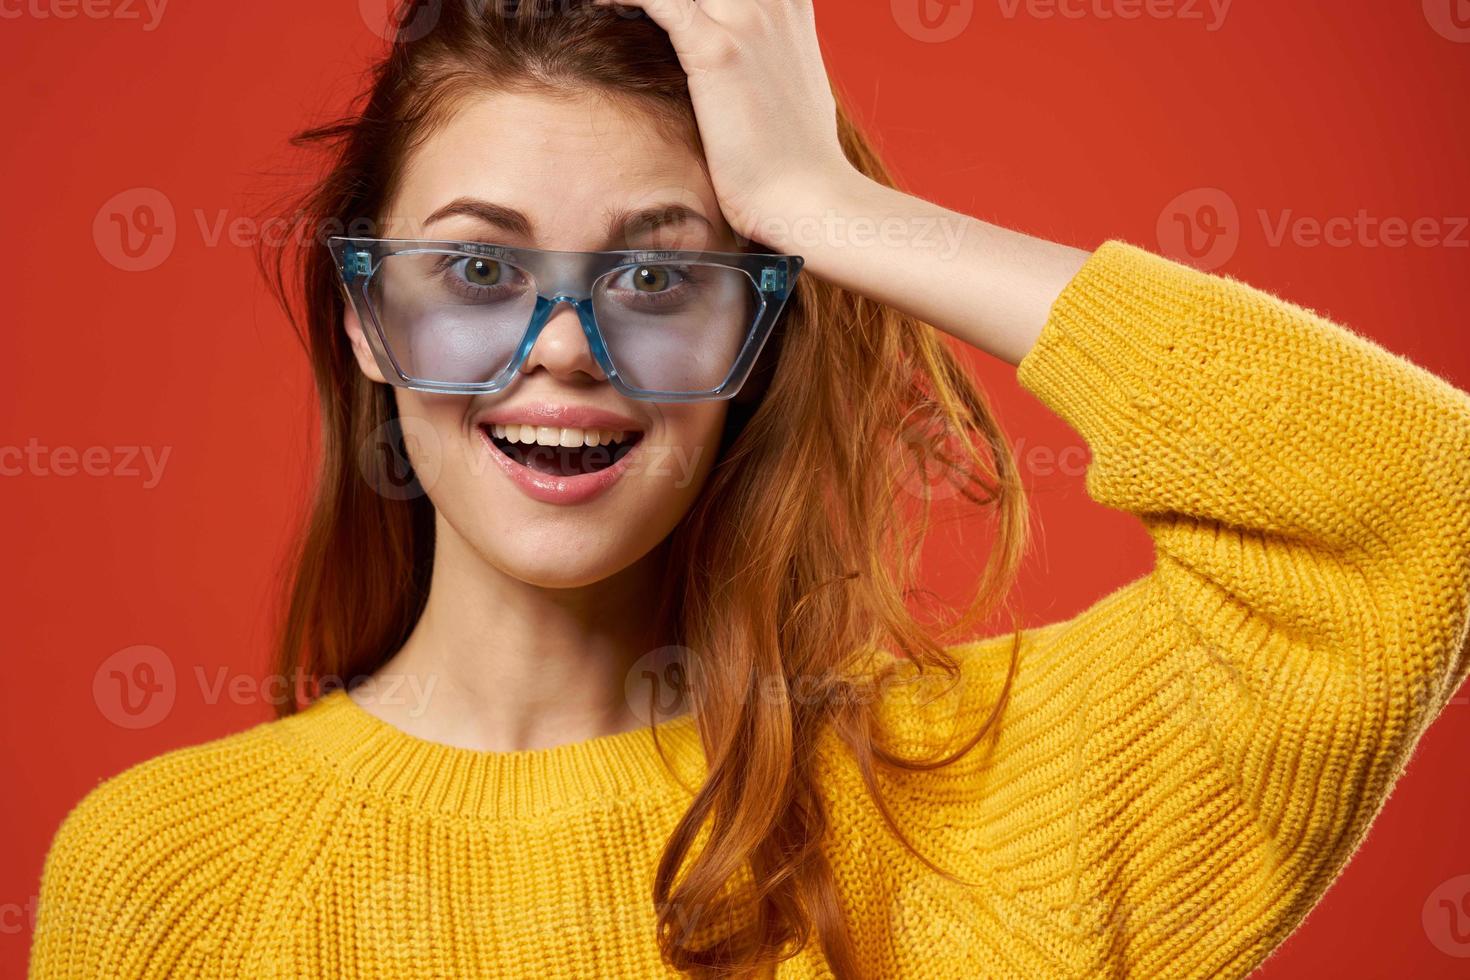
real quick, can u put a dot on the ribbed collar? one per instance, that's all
(439, 778)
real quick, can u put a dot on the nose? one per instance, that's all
(561, 349)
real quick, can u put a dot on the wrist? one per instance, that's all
(797, 216)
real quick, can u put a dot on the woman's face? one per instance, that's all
(581, 173)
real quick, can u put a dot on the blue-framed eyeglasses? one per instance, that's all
(461, 317)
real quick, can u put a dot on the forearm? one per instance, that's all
(986, 285)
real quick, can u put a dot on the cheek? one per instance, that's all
(688, 448)
(433, 436)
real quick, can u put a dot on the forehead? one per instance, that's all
(571, 163)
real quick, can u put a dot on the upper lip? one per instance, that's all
(558, 416)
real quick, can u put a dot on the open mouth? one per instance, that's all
(562, 452)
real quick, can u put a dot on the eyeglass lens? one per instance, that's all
(457, 318)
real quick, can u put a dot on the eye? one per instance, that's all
(482, 272)
(651, 279)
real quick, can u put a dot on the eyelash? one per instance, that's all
(448, 267)
(687, 278)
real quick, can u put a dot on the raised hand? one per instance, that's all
(763, 103)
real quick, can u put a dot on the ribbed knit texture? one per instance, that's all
(1182, 770)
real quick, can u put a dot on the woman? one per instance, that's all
(624, 682)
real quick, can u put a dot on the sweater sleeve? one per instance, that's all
(80, 926)
(1184, 768)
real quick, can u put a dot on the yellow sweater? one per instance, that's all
(1183, 770)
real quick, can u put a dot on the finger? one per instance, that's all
(680, 19)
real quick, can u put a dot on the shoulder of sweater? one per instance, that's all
(163, 855)
(193, 798)
(933, 711)
(923, 710)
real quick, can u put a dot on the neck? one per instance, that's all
(498, 664)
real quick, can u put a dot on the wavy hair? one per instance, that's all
(870, 400)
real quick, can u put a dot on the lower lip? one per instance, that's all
(551, 489)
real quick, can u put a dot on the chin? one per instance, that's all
(554, 550)
(565, 568)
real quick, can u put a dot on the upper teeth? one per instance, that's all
(548, 435)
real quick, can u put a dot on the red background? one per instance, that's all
(1077, 128)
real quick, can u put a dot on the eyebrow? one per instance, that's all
(621, 224)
